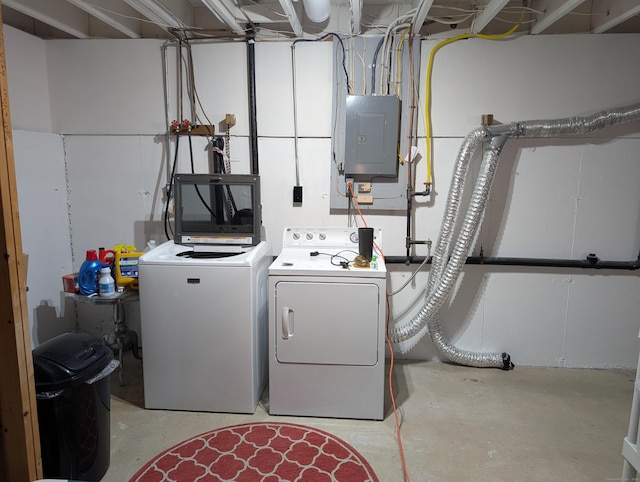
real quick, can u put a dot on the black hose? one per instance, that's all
(170, 191)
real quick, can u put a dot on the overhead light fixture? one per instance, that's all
(224, 15)
(156, 12)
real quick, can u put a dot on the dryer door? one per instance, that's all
(327, 323)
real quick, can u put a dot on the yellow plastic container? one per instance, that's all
(126, 269)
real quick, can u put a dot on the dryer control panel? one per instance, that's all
(325, 237)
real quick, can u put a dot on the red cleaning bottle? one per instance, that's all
(88, 274)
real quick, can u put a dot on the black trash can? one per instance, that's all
(73, 389)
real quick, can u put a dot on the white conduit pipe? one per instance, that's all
(448, 261)
(317, 10)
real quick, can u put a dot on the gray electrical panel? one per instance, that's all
(371, 135)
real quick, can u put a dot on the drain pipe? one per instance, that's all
(251, 74)
(449, 257)
(590, 262)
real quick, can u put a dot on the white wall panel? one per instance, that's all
(532, 207)
(603, 320)
(277, 168)
(314, 70)
(221, 81)
(106, 86)
(528, 77)
(524, 315)
(27, 79)
(607, 220)
(106, 191)
(44, 225)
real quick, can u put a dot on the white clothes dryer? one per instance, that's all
(326, 327)
(204, 328)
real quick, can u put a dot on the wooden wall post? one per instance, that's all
(20, 459)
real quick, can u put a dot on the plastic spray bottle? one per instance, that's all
(106, 283)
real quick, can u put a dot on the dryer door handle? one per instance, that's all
(286, 322)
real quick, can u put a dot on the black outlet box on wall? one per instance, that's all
(297, 194)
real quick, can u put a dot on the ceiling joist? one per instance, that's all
(112, 12)
(615, 12)
(421, 14)
(156, 12)
(556, 9)
(292, 16)
(356, 16)
(135, 19)
(63, 16)
(224, 13)
(488, 14)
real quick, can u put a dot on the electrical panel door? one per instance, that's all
(372, 127)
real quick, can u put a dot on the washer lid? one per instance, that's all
(170, 253)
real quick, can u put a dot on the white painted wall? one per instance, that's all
(28, 80)
(552, 198)
(44, 225)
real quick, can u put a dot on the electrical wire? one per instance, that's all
(398, 83)
(399, 23)
(393, 398)
(344, 52)
(295, 112)
(361, 56)
(391, 354)
(452, 21)
(428, 138)
(195, 96)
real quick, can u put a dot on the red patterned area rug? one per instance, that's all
(260, 452)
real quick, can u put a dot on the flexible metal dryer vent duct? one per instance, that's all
(449, 256)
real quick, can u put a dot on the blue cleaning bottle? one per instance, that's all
(88, 274)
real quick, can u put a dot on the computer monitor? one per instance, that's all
(217, 209)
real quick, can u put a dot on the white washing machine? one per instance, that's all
(204, 328)
(326, 327)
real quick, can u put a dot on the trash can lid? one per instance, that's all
(68, 359)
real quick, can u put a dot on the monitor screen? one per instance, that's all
(217, 209)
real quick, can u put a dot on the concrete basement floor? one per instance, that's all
(458, 423)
